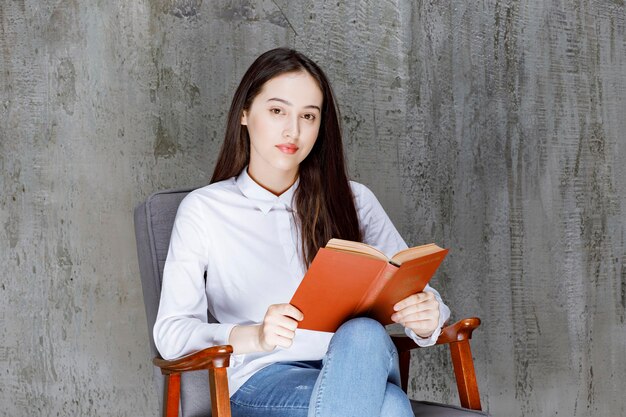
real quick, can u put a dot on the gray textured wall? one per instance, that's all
(495, 128)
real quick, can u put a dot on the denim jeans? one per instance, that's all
(358, 376)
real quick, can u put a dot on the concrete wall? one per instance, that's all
(495, 128)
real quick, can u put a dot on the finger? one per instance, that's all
(282, 332)
(419, 316)
(412, 304)
(286, 310)
(413, 299)
(274, 341)
(426, 315)
(422, 311)
(416, 310)
(282, 341)
(272, 337)
(294, 312)
(281, 321)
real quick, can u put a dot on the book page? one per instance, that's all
(415, 252)
(356, 247)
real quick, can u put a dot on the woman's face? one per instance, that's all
(283, 121)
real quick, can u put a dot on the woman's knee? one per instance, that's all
(364, 334)
(362, 327)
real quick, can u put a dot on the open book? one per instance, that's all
(351, 279)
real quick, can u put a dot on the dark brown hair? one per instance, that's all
(324, 201)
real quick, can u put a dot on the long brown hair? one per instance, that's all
(324, 201)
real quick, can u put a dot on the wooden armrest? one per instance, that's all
(216, 359)
(459, 331)
(457, 336)
(209, 358)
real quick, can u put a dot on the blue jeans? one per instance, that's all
(359, 376)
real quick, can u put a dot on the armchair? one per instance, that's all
(185, 382)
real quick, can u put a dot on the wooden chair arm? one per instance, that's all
(215, 359)
(457, 336)
(209, 358)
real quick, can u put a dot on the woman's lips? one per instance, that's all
(287, 148)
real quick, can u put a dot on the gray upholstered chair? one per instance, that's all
(187, 382)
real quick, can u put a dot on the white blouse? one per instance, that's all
(246, 240)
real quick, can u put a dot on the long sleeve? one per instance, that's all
(379, 231)
(181, 326)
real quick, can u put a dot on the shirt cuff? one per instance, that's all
(221, 337)
(423, 341)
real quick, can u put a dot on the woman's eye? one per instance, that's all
(275, 111)
(309, 116)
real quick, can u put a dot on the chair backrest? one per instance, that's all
(154, 220)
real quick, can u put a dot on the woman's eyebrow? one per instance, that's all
(310, 106)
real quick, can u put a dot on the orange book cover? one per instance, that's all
(351, 279)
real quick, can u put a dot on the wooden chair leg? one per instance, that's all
(171, 397)
(405, 362)
(465, 374)
(220, 398)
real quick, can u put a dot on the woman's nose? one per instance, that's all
(292, 128)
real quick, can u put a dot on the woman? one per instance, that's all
(279, 192)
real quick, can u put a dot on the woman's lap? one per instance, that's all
(358, 376)
(282, 389)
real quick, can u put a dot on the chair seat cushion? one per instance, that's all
(428, 409)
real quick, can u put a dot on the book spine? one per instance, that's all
(375, 288)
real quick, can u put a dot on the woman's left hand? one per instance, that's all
(418, 312)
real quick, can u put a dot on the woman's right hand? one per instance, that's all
(278, 327)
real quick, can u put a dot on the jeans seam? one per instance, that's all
(393, 354)
(322, 385)
(267, 407)
(390, 364)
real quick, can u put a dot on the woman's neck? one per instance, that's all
(276, 183)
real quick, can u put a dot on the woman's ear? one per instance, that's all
(244, 120)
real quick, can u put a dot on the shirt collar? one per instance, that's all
(261, 197)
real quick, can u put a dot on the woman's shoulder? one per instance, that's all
(212, 192)
(366, 203)
(362, 194)
(227, 185)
